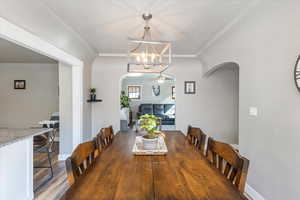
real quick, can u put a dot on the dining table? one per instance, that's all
(182, 174)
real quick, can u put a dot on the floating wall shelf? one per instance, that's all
(92, 101)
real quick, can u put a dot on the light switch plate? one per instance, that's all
(253, 111)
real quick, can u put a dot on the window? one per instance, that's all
(134, 92)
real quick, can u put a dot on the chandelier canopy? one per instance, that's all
(147, 55)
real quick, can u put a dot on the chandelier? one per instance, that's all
(146, 55)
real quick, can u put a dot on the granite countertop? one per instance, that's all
(12, 135)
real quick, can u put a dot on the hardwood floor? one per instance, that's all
(57, 186)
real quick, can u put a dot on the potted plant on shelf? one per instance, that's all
(93, 94)
(150, 123)
(124, 100)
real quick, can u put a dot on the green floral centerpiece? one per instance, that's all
(150, 123)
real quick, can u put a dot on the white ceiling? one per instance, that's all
(12, 53)
(106, 24)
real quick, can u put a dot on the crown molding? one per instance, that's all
(229, 26)
(125, 55)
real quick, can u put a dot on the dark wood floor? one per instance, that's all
(56, 187)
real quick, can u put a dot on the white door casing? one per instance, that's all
(17, 35)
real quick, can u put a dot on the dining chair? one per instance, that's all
(197, 138)
(229, 162)
(81, 159)
(106, 136)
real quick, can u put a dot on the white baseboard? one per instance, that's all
(253, 194)
(62, 157)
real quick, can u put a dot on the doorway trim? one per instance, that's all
(125, 75)
(17, 35)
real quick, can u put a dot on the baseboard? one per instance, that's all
(253, 194)
(63, 156)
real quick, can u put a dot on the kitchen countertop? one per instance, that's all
(12, 135)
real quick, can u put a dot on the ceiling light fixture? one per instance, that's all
(147, 55)
(161, 79)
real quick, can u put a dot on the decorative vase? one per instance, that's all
(93, 97)
(150, 144)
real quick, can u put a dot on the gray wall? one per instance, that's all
(212, 108)
(65, 107)
(25, 108)
(147, 94)
(266, 45)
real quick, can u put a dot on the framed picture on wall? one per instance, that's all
(173, 92)
(134, 92)
(190, 87)
(19, 84)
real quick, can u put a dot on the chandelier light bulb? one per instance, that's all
(153, 57)
(138, 59)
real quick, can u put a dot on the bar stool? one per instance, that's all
(42, 144)
(54, 124)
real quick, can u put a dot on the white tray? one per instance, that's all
(138, 147)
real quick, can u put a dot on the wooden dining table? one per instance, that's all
(182, 174)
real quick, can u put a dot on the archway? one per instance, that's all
(224, 65)
(234, 67)
(147, 94)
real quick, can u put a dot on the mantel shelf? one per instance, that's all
(92, 101)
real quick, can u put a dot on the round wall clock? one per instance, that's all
(297, 74)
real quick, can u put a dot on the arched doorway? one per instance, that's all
(147, 94)
(233, 67)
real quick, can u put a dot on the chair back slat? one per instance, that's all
(80, 160)
(197, 138)
(221, 163)
(229, 162)
(227, 169)
(233, 174)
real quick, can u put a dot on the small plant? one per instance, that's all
(124, 99)
(150, 124)
(93, 90)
